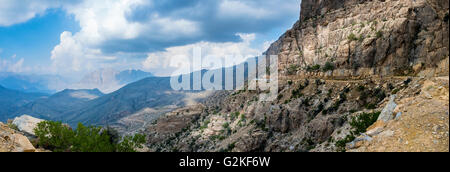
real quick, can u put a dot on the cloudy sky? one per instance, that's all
(73, 37)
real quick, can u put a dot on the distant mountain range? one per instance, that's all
(30, 83)
(53, 107)
(110, 80)
(11, 100)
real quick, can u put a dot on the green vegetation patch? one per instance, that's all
(59, 137)
(359, 125)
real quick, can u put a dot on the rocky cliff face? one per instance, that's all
(365, 38)
(341, 61)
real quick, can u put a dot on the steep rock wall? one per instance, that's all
(365, 38)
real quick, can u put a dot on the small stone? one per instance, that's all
(291, 148)
(427, 95)
(437, 128)
(398, 116)
(374, 132)
(388, 133)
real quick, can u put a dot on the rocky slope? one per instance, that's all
(342, 60)
(422, 124)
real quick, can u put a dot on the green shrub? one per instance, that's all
(379, 34)
(314, 68)
(352, 37)
(234, 115)
(330, 91)
(58, 137)
(319, 82)
(407, 82)
(395, 91)
(361, 88)
(292, 69)
(328, 67)
(205, 125)
(359, 125)
(379, 94)
(340, 144)
(308, 143)
(226, 125)
(229, 148)
(280, 96)
(54, 136)
(13, 126)
(297, 93)
(361, 38)
(363, 121)
(371, 106)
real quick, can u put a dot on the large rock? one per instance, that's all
(10, 141)
(26, 123)
(22, 144)
(388, 111)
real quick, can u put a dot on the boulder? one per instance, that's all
(26, 123)
(388, 111)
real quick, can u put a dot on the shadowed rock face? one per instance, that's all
(311, 8)
(365, 38)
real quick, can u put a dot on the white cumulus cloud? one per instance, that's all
(177, 60)
(72, 56)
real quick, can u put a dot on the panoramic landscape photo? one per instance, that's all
(224, 76)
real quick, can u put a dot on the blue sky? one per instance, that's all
(74, 37)
(35, 39)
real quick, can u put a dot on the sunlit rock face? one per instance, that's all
(364, 38)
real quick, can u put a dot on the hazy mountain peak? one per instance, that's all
(110, 80)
